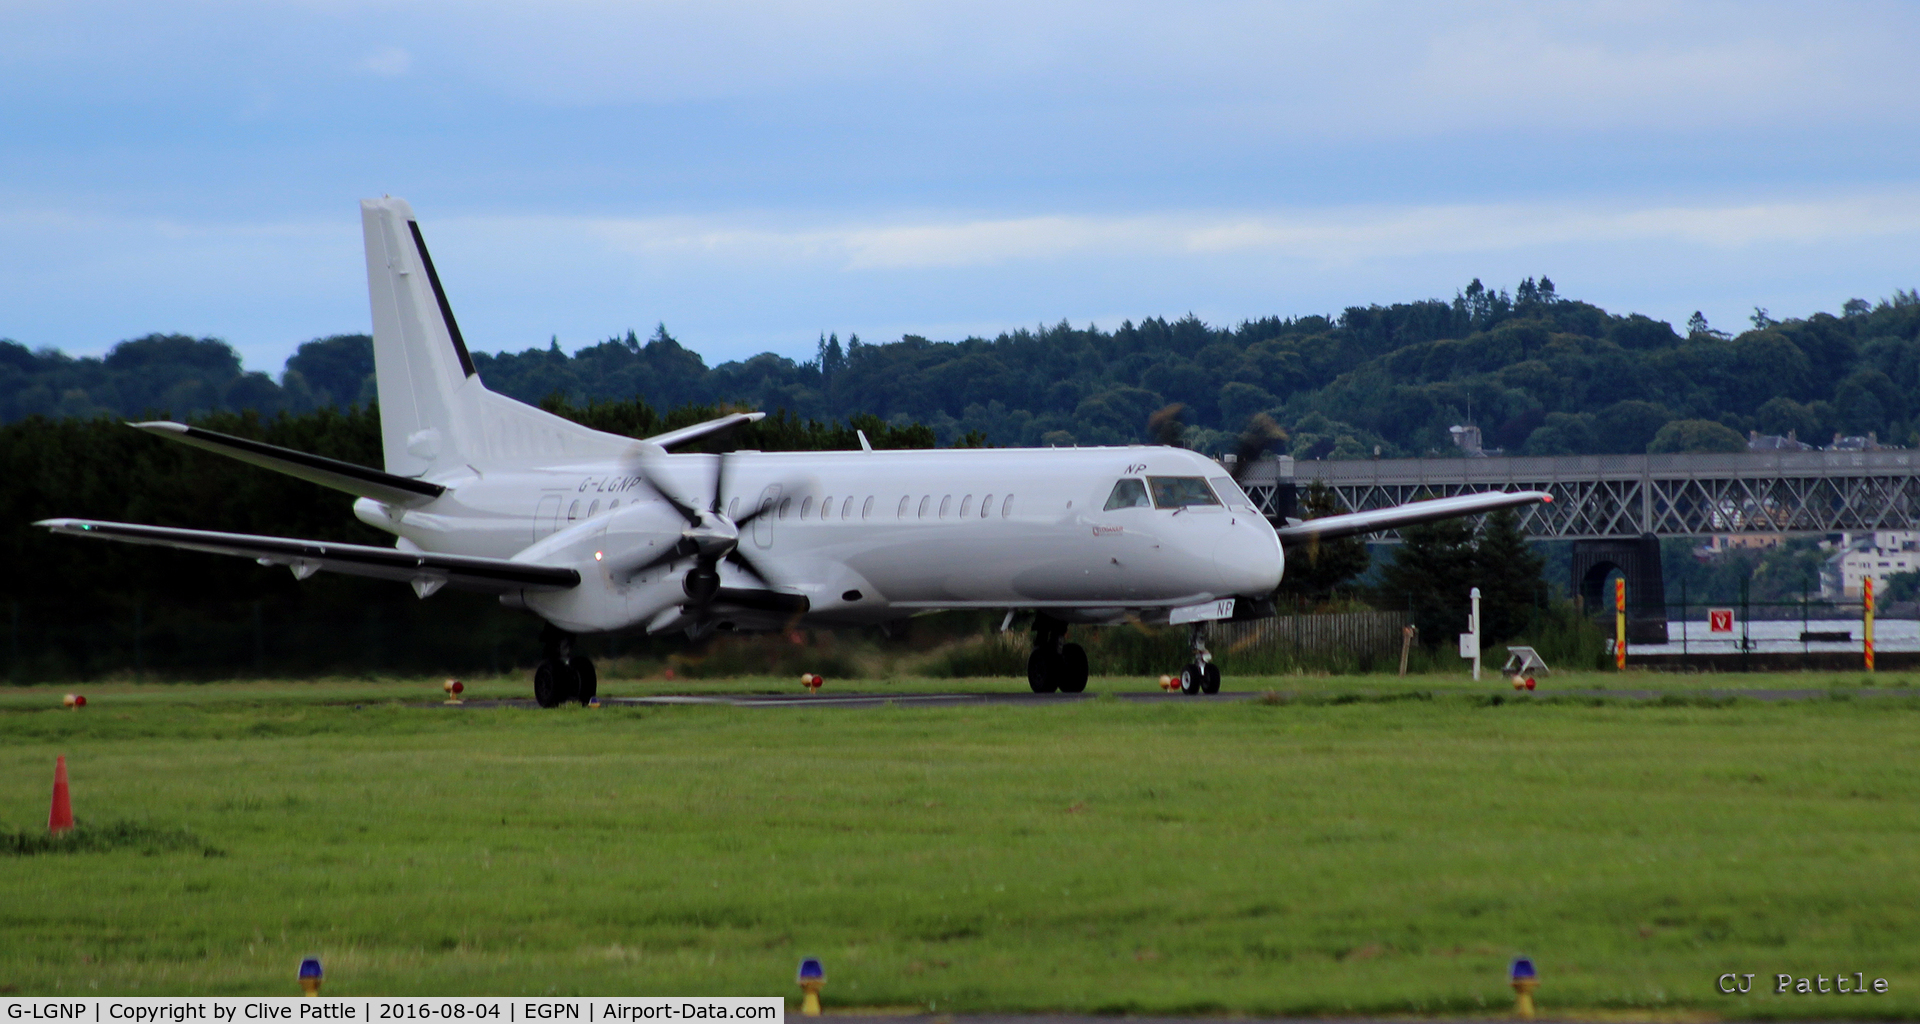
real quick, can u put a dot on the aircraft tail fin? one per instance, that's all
(435, 414)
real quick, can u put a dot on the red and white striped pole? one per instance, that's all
(1620, 623)
(1869, 613)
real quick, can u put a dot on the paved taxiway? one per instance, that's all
(872, 700)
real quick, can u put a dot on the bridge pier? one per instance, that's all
(1638, 558)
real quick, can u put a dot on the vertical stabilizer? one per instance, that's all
(435, 415)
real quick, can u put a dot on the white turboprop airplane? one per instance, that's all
(596, 532)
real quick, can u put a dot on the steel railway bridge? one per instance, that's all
(1616, 507)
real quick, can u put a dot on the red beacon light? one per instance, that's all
(811, 681)
(73, 701)
(454, 688)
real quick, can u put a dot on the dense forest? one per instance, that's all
(1539, 373)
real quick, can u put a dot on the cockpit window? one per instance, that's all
(1128, 493)
(1180, 491)
(1230, 492)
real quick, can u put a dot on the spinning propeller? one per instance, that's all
(709, 539)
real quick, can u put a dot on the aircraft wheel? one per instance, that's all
(1073, 668)
(1191, 678)
(552, 684)
(1210, 678)
(1043, 670)
(586, 682)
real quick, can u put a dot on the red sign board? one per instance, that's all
(1719, 620)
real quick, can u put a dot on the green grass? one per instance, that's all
(1364, 845)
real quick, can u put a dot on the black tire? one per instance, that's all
(1043, 670)
(551, 684)
(586, 682)
(1210, 678)
(1190, 678)
(1073, 668)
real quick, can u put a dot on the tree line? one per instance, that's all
(1541, 375)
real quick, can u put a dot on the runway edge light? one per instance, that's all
(310, 976)
(454, 688)
(1525, 979)
(811, 977)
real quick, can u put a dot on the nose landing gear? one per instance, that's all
(562, 675)
(1200, 675)
(1054, 663)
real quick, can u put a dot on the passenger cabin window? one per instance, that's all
(826, 507)
(966, 506)
(573, 510)
(1128, 493)
(1181, 492)
(846, 508)
(867, 509)
(593, 509)
(924, 500)
(986, 506)
(806, 506)
(1006, 507)
(785, 503)
(946, 506)
(902, 514)
(733, 509)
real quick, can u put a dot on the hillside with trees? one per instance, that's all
(1539, 373)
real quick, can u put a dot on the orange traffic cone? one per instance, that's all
(60, 818)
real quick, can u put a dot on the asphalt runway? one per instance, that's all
(874, 700)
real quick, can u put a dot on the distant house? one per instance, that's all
(1856, 443)
(1758, 442)
(1862, 555)
(1467, 439)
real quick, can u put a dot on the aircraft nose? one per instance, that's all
(1248, 560)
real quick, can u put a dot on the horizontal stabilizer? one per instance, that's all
(1410, 514)
(341, 476)
(427, 572)
(700, 430)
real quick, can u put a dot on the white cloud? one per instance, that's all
(1321, 236)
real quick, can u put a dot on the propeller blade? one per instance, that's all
(719, 483)
(671, 554)
(786, 489)
(739, 559)
(692, 517)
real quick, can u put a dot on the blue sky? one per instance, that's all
(754, 174)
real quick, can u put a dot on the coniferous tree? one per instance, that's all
(1509, 573)
(1314, 571)
(1431, 572)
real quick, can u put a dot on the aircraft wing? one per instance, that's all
(341, 476)
(425, 570)
(1413, 512)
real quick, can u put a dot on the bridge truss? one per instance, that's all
(1598, 496)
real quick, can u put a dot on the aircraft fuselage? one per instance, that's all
(866, 536)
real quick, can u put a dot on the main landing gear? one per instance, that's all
(1054, 663)
(1201, 675)
(562, 675)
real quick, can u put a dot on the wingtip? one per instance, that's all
(166, 425)
(755, 417)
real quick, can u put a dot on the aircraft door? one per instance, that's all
(763, 526)
(546, 518)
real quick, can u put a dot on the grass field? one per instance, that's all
(1350, 845)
